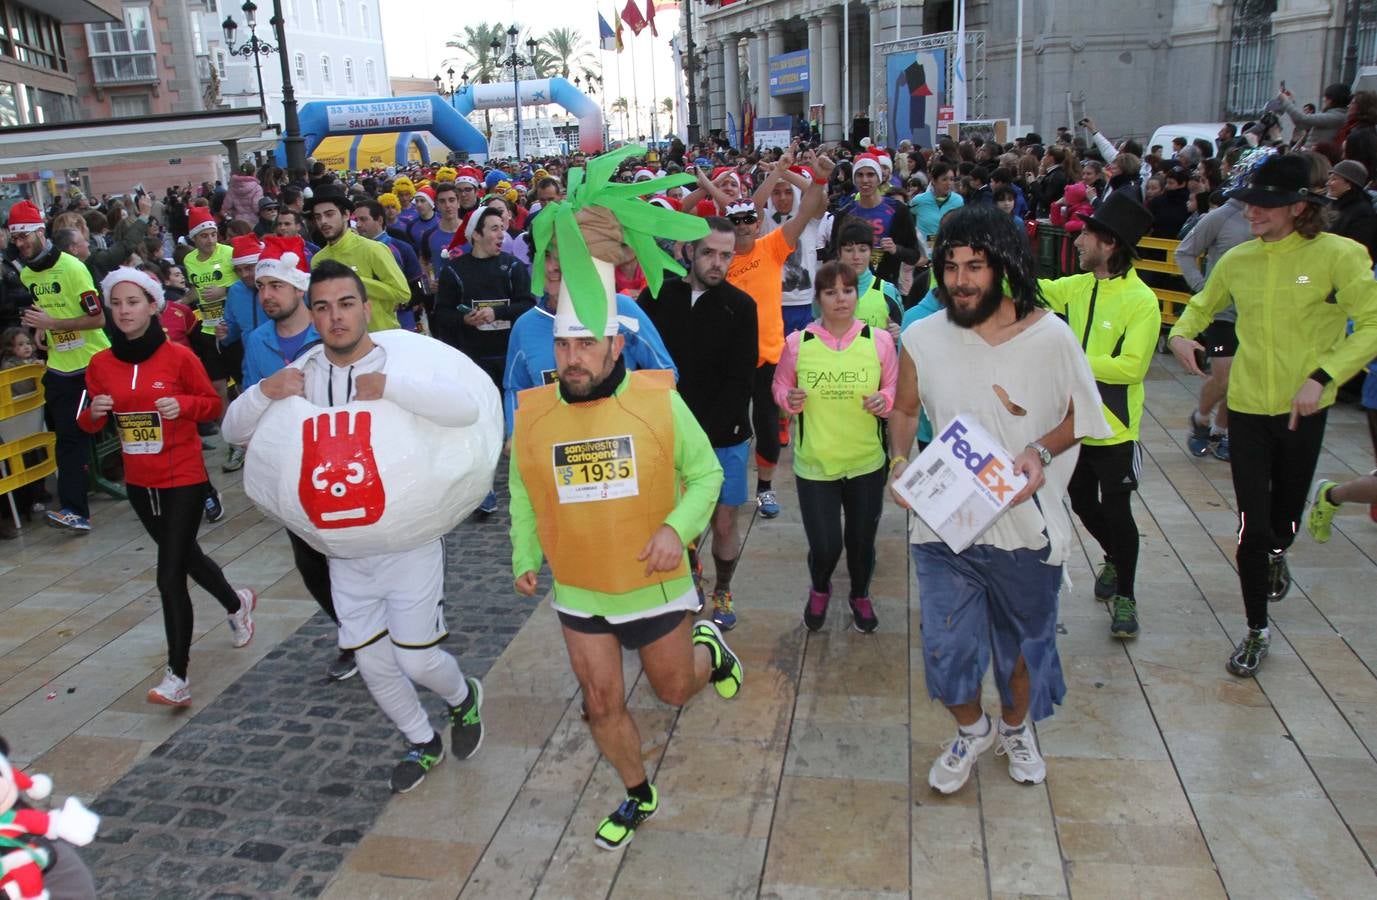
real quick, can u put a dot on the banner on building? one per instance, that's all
(399, 115)
(789, 73)
(774, 131)
(915, 82)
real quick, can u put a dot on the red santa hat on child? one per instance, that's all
(199, 219)
(246, 249)
(284, 258)
(150, 285)
(25, 217)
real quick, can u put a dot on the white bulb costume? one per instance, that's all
(375, 486)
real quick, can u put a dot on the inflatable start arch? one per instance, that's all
(447, 121)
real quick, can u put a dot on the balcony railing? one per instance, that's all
(125, 68)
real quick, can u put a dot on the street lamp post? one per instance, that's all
(447, 90)
(296, 144)
(514, 60)
(254, 47)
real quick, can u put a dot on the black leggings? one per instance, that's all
(822, 504)
(765, 415)
(1109, 519)
(1272, 468)
(314, 567)
(171, 517)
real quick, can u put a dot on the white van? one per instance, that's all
(1188, 130)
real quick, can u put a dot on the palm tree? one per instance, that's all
(667, 107)
(569, 52)
(619, 106)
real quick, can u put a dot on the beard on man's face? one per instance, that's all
(959, 311)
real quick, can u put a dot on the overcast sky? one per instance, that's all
(415, 31)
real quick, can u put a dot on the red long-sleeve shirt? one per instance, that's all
(158, 452)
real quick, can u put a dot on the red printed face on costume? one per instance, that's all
(340, 486)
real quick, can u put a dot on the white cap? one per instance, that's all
(567, 324)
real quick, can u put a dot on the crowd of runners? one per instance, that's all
(663, 323)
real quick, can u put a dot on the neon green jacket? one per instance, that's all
(1294, 297)
(699, 472)
(377, 268)
(1117, 321)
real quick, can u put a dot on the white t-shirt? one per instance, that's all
(1041, 371)
(802, 265)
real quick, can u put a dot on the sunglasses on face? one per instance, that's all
(746, 219)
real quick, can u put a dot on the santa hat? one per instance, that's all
(643, 174)
(199, 219)
(246, 249)
(867, 161)
(705, 208)
(804, 171)
(667, 203)
(25, 217)
(150, 285)
(427, 193)
(35, 787)
(725, 171)
(468, 175)
(741, 208)
(284, 258)
(885, 161)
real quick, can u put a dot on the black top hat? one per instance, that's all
(330, 193)
(1122, 218)
(1279, 181)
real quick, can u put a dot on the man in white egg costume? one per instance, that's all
(372, 447)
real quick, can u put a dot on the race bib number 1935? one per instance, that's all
(596, 469)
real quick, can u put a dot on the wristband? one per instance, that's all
(895, 461)
(1321, 376)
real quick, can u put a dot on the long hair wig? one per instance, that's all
(983, 227)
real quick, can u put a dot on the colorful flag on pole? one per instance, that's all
(620, 44)
(631, 15)
(607, 38)
(650, 17)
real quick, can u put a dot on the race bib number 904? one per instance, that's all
(141, 433)
(596, 469)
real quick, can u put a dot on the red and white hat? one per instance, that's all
(425, 192)
(199, 219)
(25, 217)
(246, 249)
(35, 787)
(726, 172)
(150, 285)
(867, 161)
(468, 175)
(666, 202)
(643, 174)
(284, 258)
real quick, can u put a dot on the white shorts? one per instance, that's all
(395, 595)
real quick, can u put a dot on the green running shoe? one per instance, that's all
(1125, 621)
(1107, 582)
(419, 760)
(617, 830)
(466, 722)
(1320, 522)
(727, 673)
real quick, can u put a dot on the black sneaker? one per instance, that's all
(1278, 576)
(1249, 654)
(344, 666)
(419, 760)
(1107, 582)
(466, 722)
(1125, 622)
(215, 510)
(617, 830)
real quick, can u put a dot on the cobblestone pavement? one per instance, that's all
(268, 787)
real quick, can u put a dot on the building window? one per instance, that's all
(318, 7)
(198, 40)
(126, 105)
(124, 52)
(221, 58)
(1250, 58)
(9, 105)
(364, 24)
(343, 18)
(31, 37)
(326, 77)
(348, 72)
(368, 76)
(299, 65)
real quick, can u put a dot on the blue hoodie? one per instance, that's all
(531, 349)
(243, 312)
(263, 354)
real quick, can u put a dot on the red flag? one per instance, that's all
(631, 15)
(650, 17)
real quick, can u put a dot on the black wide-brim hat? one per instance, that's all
(1122, 218)
(1279, 181)
(330, 193)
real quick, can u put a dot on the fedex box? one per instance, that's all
(961, 482)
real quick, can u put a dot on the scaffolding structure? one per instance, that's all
(944, 40)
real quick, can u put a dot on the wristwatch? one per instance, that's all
(1043, 453)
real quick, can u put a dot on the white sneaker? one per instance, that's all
(241, 622)
(1026, 765)
(171, 691)
(952, 769)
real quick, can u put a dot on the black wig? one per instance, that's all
(983, 227)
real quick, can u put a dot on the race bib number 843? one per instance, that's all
(596, 469)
